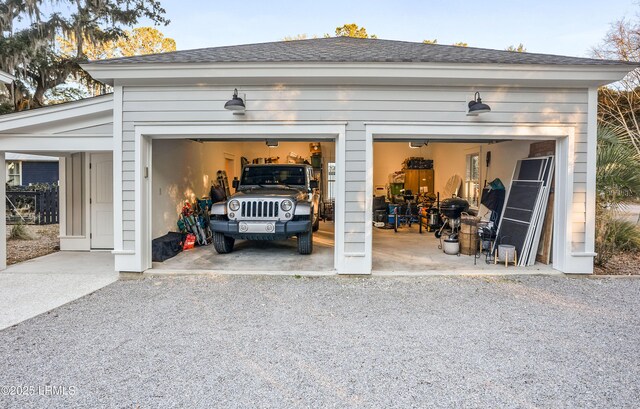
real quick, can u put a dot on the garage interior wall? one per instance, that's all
(388, 158)
(184, 169)
(449, 158)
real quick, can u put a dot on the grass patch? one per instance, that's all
(625, 235)
(614, 237)
(19, 232)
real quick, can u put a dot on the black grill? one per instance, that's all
(257, 209)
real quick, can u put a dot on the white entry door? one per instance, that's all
(101, 200)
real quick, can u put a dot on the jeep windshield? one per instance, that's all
(267, 176)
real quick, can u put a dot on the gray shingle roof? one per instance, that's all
(344, 49)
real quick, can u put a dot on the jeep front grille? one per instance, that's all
(259, 209)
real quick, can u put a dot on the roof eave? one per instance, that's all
(90, 107)
(358, 73)
(6, 78)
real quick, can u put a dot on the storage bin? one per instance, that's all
(395, 188)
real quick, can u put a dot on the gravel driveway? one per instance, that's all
(254, 341)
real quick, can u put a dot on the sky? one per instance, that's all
(566, 27)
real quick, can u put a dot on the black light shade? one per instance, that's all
(235, 103)
(477, 107)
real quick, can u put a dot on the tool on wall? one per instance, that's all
(486, 172)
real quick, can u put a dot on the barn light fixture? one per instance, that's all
(272, 143)
(235, 104)
(477, 107)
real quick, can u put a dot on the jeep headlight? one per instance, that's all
(234, 205)
(286, 205)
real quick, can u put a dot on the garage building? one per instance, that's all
(129, 160)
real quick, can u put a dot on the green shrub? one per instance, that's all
(20, 232)
(624, 235)
(614, 236)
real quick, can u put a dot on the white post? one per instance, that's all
(592, 147)
(62, 195)
(3, 211)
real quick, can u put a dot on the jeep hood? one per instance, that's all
(270, 193)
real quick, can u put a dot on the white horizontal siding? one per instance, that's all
(356, 105)
(352, 105)
(352, 93)
(354, 228)
(409, 116)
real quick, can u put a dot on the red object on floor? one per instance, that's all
(189, 242)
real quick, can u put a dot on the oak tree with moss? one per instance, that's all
(138, 41)
(27, 39)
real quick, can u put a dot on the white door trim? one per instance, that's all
(563, 260)
(117, 168)
(140, 259)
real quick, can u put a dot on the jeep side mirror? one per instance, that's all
(313, 184)
(235, 183)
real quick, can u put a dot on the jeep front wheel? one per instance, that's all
(305, 242)
(223, 244)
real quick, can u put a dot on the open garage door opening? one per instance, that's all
(271, 203)
(438, 205)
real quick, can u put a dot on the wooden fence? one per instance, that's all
(33, 206)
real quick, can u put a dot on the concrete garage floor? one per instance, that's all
(406, 252)
(257, 257)
(36, 286)
(376, 342)
(411, 253)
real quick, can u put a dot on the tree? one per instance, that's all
(353, 30)
(518, 49)
(139, 41)
(619, 104)
(346, 30)
(30, 54)
(144, 40)
(461, 44)
(303, 36)
(434, 41)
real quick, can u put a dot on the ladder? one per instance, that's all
(223, 181)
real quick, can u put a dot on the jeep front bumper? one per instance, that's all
(282, 230)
